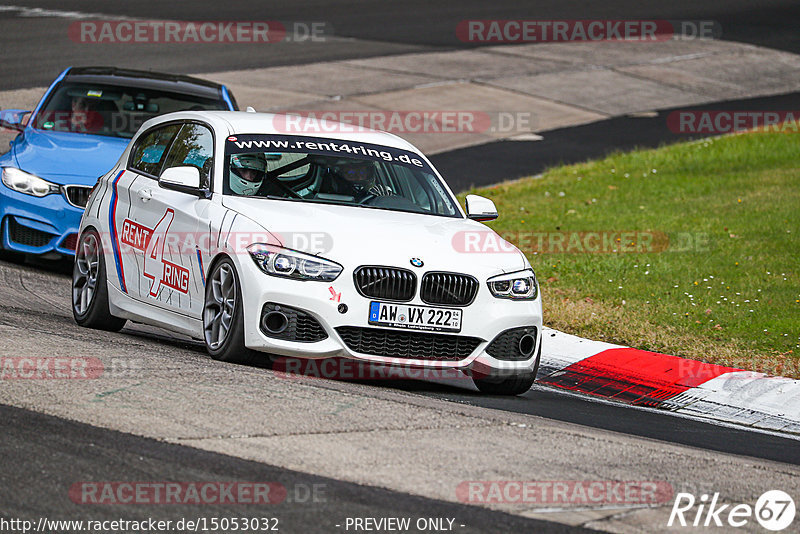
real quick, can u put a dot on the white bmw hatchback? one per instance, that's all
(223, 226)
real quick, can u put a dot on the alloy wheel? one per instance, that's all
(219, 308)
(87, 264)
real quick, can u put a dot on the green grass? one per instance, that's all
(728, 276)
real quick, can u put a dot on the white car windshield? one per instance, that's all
(332, 171)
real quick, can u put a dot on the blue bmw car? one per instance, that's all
(76, 133)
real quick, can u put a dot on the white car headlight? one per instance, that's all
(29, 184)
(279, 261)
(520, 285)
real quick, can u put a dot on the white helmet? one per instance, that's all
(247, 173)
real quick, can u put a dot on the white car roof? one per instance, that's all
(244, 122)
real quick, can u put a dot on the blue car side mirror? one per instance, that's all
(13, 119)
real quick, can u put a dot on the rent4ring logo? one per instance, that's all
(774, 510)
(151, 241)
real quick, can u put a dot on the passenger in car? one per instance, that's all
(84, 117)
(355, 178)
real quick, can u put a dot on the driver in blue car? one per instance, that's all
(83, 117)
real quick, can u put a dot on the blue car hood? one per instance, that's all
(67, 158)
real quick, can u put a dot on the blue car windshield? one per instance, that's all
(112, 110)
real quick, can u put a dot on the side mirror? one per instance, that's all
(480, 208)
(185, 179)
(13, 119)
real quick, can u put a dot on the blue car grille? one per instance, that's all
(24, 235)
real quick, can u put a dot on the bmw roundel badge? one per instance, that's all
(416, 262)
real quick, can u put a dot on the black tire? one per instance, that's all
(90, 286)
(230, 347)
(511, 385)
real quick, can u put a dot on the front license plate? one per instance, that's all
(415, 317)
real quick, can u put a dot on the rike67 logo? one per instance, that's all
(152, 242)
(774, 510)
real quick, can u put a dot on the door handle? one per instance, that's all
(145, 195)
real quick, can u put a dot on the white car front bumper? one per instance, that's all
(485, 318)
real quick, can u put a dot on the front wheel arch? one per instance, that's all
(232, 349)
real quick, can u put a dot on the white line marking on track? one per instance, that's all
(38, 12)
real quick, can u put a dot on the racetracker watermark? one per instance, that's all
(723, 122)
(558, 31)
(197, 32)
(345, 369)
(132, 237)
(405, 121)
(578, 242)
(167, 492)
(72, 367)
(566, 493)
(49, 368)
(93, 121)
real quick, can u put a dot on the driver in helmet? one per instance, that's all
(248, 172)
(357, 178)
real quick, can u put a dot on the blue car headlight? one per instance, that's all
(26, 183)
(521, 285)
(287, 263)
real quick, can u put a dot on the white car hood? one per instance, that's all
(353, 236)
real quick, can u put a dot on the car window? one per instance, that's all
(148, 153)
(416, 190)
(194, 146)
(112, 110)
(329, 171)
(277, 160)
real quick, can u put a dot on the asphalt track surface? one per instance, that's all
(539, 401)
(502, 160)
(61, 451)
(648, 423)
(42, 456)
(36, 48)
